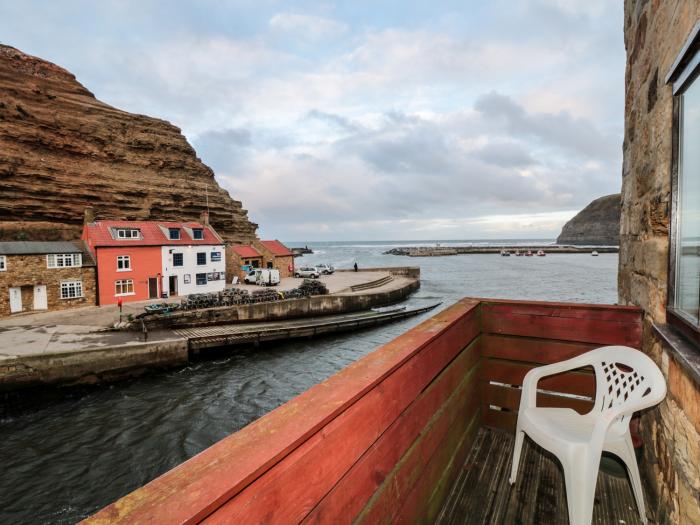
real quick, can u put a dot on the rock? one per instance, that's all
(598, 224)
(63, 149)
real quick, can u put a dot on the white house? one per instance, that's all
(193, 269)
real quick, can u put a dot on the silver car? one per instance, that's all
(307, 271)
(325, 269)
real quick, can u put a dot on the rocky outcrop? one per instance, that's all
(598, 224)
(63, 149)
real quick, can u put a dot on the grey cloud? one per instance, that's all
(505, 155)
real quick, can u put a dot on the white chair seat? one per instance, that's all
(626, 381)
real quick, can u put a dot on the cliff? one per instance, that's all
(63, 149)
(597, 224)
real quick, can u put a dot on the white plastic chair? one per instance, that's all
(579, 440)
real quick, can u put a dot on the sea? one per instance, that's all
(70, 455)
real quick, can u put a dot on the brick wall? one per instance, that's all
(654, 34)
(28, 270)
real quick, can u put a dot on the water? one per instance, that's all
(67, 459)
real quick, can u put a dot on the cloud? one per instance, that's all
(307, 27)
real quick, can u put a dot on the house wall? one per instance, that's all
(234, 262)
(654, 35)
(29, 270)
(191, 268)
(283, 264)
(145, 263)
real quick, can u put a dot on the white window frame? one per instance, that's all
(64, 260)
(205, 258)
(75, 286)
(3, 263)
(183, 260)
(170, 234)
(122, 283)
(133, 233)
(198, 234)
(124, 259)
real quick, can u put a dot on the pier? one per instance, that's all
(441, 251)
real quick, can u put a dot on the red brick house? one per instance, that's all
(240, 258)
(277, 255)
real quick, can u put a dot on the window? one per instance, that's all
(202, 258)
(178, 259)
(64, 260)
(247, 262)
(123, 263)
(3, 263)
(198, 234)
(269, 265)
(215, 256)
(201, 279)
(71, 289)
(128, 233)
(256, 264)
(174, 234)
(186, 278)
(684, 271)
(124, 287)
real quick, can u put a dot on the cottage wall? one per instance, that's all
(25, 271)
(655, 32)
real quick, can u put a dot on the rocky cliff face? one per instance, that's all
(62, 149)
(597, 224)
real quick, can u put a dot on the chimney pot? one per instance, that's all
(204, 218)
(89, 216)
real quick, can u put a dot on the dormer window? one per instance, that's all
(197, 234)
(128, 233)
(174, 234)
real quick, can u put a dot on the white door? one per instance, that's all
(40, 302)
(15, 299)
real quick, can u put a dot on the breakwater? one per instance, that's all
(440, 251)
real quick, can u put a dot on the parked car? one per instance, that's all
(307, 271)
(325, 269)
(263, 277)
(252, 276)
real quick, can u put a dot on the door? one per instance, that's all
(40, 302)
(152, 288)
(15, 299)
(172, 281)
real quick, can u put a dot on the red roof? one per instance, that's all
(277, 248)
(246, 251)
(152, 233)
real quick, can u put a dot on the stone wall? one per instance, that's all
(29, 270)
(654, 34)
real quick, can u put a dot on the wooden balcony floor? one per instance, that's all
(482, 494)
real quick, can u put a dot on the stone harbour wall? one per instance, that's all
(655, 32)
(25, 271)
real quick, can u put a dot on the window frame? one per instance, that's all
(196, 279)
(198, 234)
(3, 263)
(134, 234)
(683, 73)
(122, 283)
(175, 231)
(76, 284)
(205, 259)
(122, 259)
(182, 260)
(52, 259)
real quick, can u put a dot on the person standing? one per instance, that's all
(355, 265)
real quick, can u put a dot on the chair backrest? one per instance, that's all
(627, 380)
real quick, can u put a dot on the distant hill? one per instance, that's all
(597, 224)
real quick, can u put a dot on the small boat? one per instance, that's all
(518, 253)
(594, 253)
(540, 253)
(528, 254)
(505, 253)
(162, 308)
(388, 309)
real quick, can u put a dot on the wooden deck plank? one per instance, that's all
(482, 494)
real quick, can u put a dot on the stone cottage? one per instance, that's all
(276, 255)
(45, 276)
(660, 236)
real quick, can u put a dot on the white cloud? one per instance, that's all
(307, 27)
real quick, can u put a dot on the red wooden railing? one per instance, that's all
(384, 439)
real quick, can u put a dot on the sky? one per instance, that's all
(366, 119)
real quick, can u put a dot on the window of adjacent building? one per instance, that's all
(201, 258)
(201, 279)
(128, 233)
(178, 259)
(198, 234)
(215, 256)
(71, 289)
(123, 263)
(124, 287)
(174, 234)
(3, 263)
(64, 260)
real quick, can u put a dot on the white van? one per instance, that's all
(263, 277)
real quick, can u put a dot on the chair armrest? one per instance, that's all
(528, 397)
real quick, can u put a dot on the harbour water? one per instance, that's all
(67, 458)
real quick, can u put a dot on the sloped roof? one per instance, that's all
(46, 247)
(277, 248)
(246, 251)
(101, 233)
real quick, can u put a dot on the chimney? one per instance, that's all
(89, 216)
(204, 218)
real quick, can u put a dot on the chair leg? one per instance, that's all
(517, 449)
(580, 477)
(627, 455)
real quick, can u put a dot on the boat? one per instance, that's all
(540, 253)
(594, 253)
(518, 253)
(528, 254)
(505, 253)
(388, 309)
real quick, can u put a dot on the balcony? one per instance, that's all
(418, 431)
